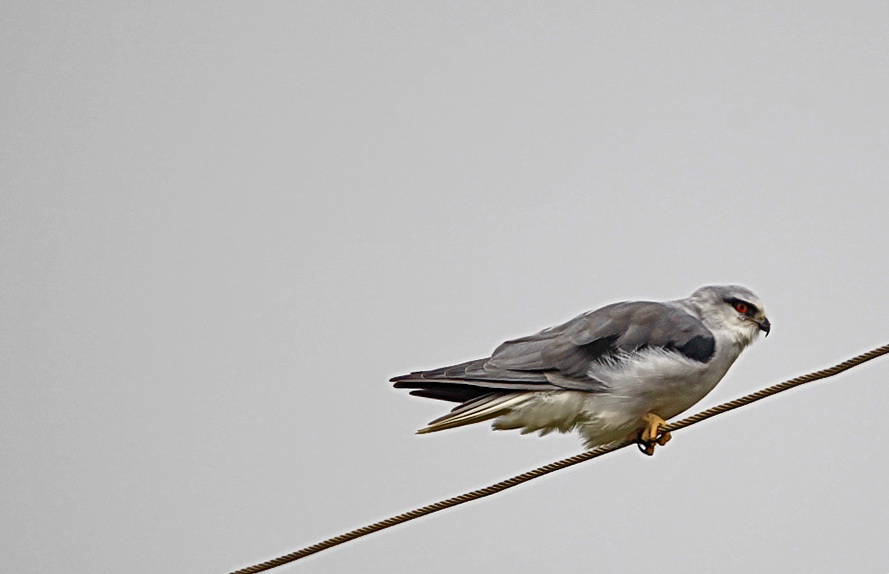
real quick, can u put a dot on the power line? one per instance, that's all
(564, 463)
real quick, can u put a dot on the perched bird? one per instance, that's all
(610, 374)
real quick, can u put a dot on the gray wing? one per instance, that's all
(561, 357)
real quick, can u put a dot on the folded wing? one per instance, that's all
(567, 356)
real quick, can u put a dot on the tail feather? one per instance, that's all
(485, 407)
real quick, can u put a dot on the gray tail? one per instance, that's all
(481, 408)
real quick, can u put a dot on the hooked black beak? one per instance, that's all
(764, 325)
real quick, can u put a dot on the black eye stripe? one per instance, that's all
(751, 308)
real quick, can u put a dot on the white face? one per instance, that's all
(733, 307)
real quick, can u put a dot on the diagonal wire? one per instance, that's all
(564, 463)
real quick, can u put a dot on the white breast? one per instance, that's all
(652, 380)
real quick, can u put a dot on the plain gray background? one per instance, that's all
(224, 226)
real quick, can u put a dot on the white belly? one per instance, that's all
(652, 381)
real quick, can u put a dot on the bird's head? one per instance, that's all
(732, 307)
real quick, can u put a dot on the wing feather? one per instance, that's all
(565, 356)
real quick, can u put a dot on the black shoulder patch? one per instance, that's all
(699, 348)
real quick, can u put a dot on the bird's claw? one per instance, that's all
(651, 435)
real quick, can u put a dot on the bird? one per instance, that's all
(614, 373)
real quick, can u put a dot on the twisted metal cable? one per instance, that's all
(564, 463)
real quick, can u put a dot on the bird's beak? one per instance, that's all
(764, 325)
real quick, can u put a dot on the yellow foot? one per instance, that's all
(651, 435)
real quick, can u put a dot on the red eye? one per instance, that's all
(741, 307)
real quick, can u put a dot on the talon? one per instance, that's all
(651, 435)
(646, 447)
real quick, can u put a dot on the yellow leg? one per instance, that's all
(651, 434)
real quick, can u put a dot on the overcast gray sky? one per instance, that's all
(224, 226)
